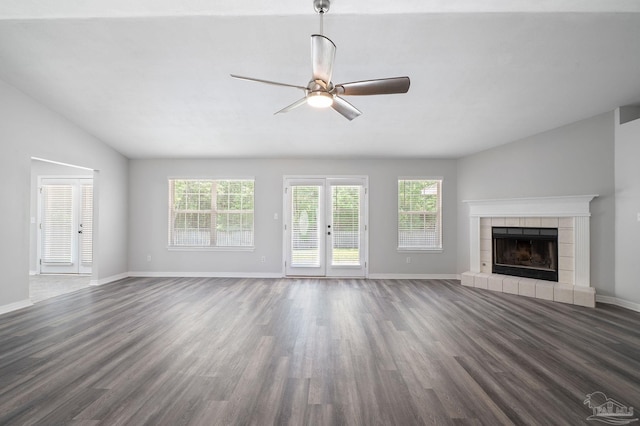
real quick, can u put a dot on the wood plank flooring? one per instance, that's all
(199, 351)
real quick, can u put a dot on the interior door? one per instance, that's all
(66, 225)
(325, 227)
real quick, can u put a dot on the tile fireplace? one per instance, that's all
(543, 248)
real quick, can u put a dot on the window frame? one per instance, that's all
(438, 215)
(171, 213)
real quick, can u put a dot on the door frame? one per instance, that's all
(327, 178)
(77, 179)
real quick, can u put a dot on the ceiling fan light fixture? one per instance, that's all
(320, 99)
(320, 92)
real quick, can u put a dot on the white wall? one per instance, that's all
(149, 209)
(30, 130)
(577, 159)
(627, 184)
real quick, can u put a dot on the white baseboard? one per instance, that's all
(110, 279)
(15, 306)
(618, 302)
(414, 277)
(149, 274)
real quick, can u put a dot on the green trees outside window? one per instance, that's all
(419, 214)
(211, 213)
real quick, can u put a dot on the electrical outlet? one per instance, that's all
(408, 259)
(148, 258)
(638, 217)
(263, 259)
(275, 216)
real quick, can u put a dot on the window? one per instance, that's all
(419, 214)
(211, 213)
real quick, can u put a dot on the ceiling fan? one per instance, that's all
(320, 92)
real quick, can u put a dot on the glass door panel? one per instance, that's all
(306, 242)
(345, 228)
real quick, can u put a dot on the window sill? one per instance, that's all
(252, 248)
(419, 250)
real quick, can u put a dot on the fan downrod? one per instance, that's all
(321, 6)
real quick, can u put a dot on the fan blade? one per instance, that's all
(275, 83)
(323, 52)
(382, 86)
(345, 108)
(294, 105)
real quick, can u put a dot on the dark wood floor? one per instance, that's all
(249, 351)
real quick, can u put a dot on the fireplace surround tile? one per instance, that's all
(563, 293)
(565, 263)
(584, 296)
(498, 221)
(485, 232)
(566, 222)
(512, 221)
(480, 281)
(494, 282)
(532, 222)
(540, 289)
(510, 285)
(467, 279)
(565, 235)
(565, 277)
(527, 287)
(544, 290)
(565, 250)
(549, 222)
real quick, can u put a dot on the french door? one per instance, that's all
(326, 227)
(66, 225)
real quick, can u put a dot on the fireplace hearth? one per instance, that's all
(526, 252)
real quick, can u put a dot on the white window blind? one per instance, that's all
(419, 214)
(57, 224)
(345, 232)
(305, 232)
(86, 223)
(211, 213)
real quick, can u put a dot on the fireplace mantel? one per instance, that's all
(572, 211)
(569, 206)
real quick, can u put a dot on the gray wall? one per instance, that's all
(627, 183)
(149, 209)
(576, 159)
(30, 130)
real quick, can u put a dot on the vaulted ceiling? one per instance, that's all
(151, 78)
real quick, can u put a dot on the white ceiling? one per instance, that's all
(151, 77)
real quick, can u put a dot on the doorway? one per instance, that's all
(326, 226)
(65, 225)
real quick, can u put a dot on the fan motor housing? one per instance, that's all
(321, 6)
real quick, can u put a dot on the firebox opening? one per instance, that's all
(526, 252)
